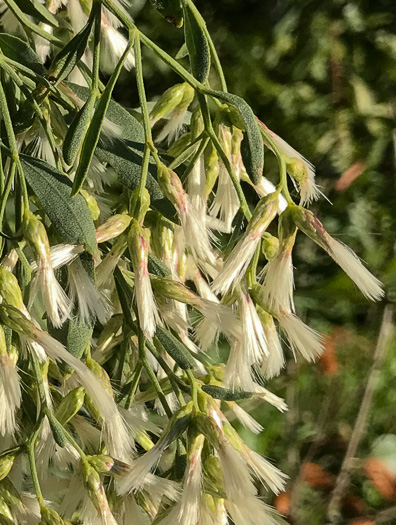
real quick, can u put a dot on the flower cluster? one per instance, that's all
(130, 254)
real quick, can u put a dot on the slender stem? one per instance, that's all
(252, 270)
(32, 463)
(8, 185)
(194, 388)
(134, 384)
(149, 144)
(343, 479)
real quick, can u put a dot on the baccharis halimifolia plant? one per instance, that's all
(129, 252)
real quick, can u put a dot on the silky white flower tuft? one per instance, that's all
(89, 301)
(370, 286)
(10, 395)
(301, 337)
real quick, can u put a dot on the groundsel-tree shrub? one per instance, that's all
(128, 253)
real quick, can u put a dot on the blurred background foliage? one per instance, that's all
(322, 76)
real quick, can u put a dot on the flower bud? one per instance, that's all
(70, 405)
(50, 517)
(269, 245)
(6, 463)
(178, 97)
(101, 463)
(6, 518)
(56, 301)
(140, 203)
(92, 204)
(9, 289)
(113, 227)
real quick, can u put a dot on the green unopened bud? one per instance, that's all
(197, 124)
(208, 427)
(113, 227)
(176, 97)
(92, 204)
(269, 245)
(109, 332)
(297, 169)
(17, 321)
(50, 517)
(95, 489)
(306, 221)
(101, 462)
(140, 203)
(9, 288)
(173, 290)
(70, 405)
(35, 234)
(212, 169)
(180, 145)
(3, 343)
(263, 214)
(6, 463)
(6, 517)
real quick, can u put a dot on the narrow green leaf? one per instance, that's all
(157, 267)
(244, 118)
(39, 11)
(93, 133)
(125, 155)
(225, 394)
(197, 45)
(57, 431)
(19, 51)
(76, 132)
(175, 348)
(70, 216)
(68, 57)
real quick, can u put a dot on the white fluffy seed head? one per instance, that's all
(237, 478)
(245, 418)
(225, 204)
(253, 335)
(301, 337)
(56, 302)
(90, 303)
(250, 510)
(369, 285)
(113, 46)
(274, 362)
(277, 289)
(188, 512)
(263, 470)
(139, 474)
(236, 264)
(114, 425)
(10, 395)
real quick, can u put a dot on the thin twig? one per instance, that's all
(343, 479)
